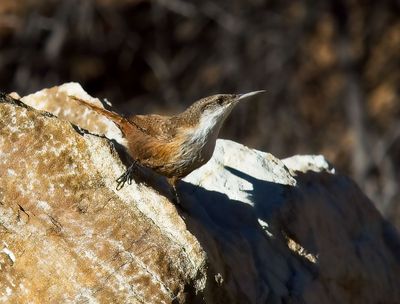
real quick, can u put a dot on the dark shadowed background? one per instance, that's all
(331, 69)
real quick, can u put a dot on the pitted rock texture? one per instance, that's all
(56, 101)
(73, 237)
(251, 228)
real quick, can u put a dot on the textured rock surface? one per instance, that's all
(252, 228)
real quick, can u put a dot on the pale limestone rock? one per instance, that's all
(56, 101)
(251, 229)
(69, 236)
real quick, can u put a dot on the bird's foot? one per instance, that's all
(126, 177)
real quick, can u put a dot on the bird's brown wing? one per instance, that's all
(154, 143)
(156, 126)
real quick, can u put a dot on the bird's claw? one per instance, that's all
(126, 177)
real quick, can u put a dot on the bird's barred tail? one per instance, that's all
(119, 120)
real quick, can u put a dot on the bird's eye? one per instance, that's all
(206, 107)
(220, 101)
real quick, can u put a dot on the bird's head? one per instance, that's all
(214, 109)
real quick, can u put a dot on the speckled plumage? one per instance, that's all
(174, 146)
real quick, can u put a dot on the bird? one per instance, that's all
(173, 146)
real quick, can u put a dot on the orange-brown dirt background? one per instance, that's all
(331, 69)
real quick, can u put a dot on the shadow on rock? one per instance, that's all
(244, 240)
(267, 197)
(215, 209)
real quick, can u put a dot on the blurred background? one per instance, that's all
(331, 69)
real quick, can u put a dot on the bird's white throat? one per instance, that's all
(209, 126)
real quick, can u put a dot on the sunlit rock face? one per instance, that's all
(250, 229)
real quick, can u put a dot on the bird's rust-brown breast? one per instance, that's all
(156, 143)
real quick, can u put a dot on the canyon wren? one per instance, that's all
(173, 146)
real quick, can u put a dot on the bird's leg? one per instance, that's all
(176, 200)
(172, 181)
(126, 177)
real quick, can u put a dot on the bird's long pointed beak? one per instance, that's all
(243, 96)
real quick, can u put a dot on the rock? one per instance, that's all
(55, 100)
(251, 228)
